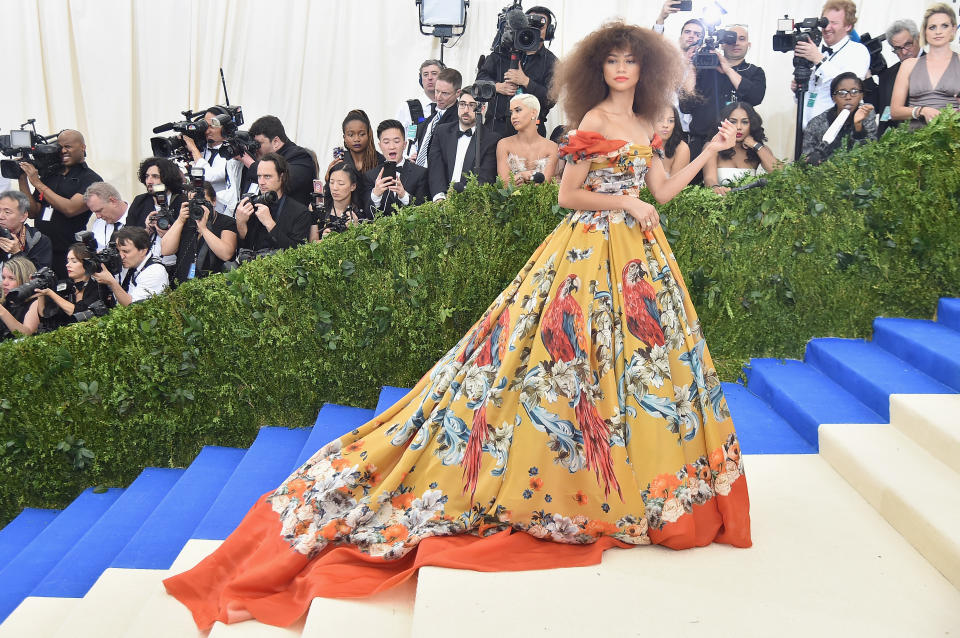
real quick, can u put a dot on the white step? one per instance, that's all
(916, 493)
(162, 615)
(254, 629)
(111, 604)
(37, 617)
(933, 421)
(824, 563)
(388, 614)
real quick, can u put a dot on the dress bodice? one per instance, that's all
(727, 175)
(518, 164)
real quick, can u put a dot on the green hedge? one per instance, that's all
(817, 252)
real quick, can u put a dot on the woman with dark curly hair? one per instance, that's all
(581, 412)
(749, 156)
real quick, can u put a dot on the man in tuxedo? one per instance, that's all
(904, 38)
(410, 184)
(445, 91)
(454, 153)
(284, 223)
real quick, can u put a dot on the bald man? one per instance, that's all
(57, 207)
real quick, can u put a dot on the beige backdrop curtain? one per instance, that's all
(114, 69)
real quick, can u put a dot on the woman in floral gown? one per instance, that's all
(581, 412)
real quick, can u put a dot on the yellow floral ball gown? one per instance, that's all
(581, 412)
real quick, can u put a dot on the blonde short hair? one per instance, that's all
(21, 268)
(528, 100)
(932, 10)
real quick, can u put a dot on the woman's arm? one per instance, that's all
(28, 327)
(62, 303)
(665, 188)
(898, 102)
(681, 157)
(170, 242)
(503, 166)
(552, 158)
(223, 246)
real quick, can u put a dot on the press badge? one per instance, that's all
(47, 214)
(193, 271)
(885, 116)
(412, 132)
(811, 100)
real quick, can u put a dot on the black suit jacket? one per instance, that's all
(293, 226)
(143, 204)
(300, 180)
(450, 115)
(443, 156)
(414, 180)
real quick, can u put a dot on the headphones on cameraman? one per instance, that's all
(551, 21)
(429, 63)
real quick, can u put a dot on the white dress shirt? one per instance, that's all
(103, 230)
(149, 278)
(224, 175)
(403, 111)
(847, 56)
(405, 200)
(463, 142)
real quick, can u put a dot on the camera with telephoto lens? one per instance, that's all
(483, 90)
(706, 57)
(26, 146)
(198, 204)
(109, 256)
(237, 144)
(785, 40)
(164, 217)
(43, 278)
(96, 309)
(517, 32)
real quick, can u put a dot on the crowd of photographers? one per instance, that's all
(217, 196)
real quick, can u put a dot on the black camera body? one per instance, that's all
(237, 144)
(43, 278)
(517, 32)
(790, 32)
(195, 127)
(198, 204)
(874, 45)
(483, 90)
(164, 217)
(26, 146)
(5, 234)
(109, 256)
(268, 199)
(684, 5)
(706, 57)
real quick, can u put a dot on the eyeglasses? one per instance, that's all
(902, 48)
(846, 92)
(467, 105)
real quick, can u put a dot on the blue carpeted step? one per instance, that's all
(869, 372)
(929, 346)
(333, 421)
(83, 564)
(948, 312)
(28, 568)
(21, 531)
(265, 465)
(759, 428)
(804, 397)
(388, 396)
(159, 540)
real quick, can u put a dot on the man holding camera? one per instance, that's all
(530, 73)
(267, 227)
(18, 239)
(105, 203)
(164, 182)
(395, 182)
(269, 133)
(223, 173)
(455, 153)
(142, 275)
(836, 54)
(733, 79)
(57, 208)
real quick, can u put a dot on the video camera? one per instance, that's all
(706, 56)
(195, 127)
(875, 46)
(517, 32)
(109, 256)
(43, 278)
(26, 146)
(785, 40)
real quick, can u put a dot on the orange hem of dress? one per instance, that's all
(257, 572)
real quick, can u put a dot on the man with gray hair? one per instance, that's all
(904, 38)
(16, 238)
(105, 202)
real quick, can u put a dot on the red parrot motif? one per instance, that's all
(491, 353)
(564, 335)
(640, 305)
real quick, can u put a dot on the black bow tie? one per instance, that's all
(827, 51)
(468, 133)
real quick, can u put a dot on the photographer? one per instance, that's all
(104, 202)
(18, 239)
(282, 224)
(408, 183)
(201, 245)
(224, 174)
(142, 275)
(82, 299)
(16, 315)
(836, 54)
(732, 80)
(269, 133)
(159, 175)
(58, 207)
(534, 75)
(342, 202)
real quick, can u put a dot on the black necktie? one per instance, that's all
(468, 133)
(827, 51)
(433, 108)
